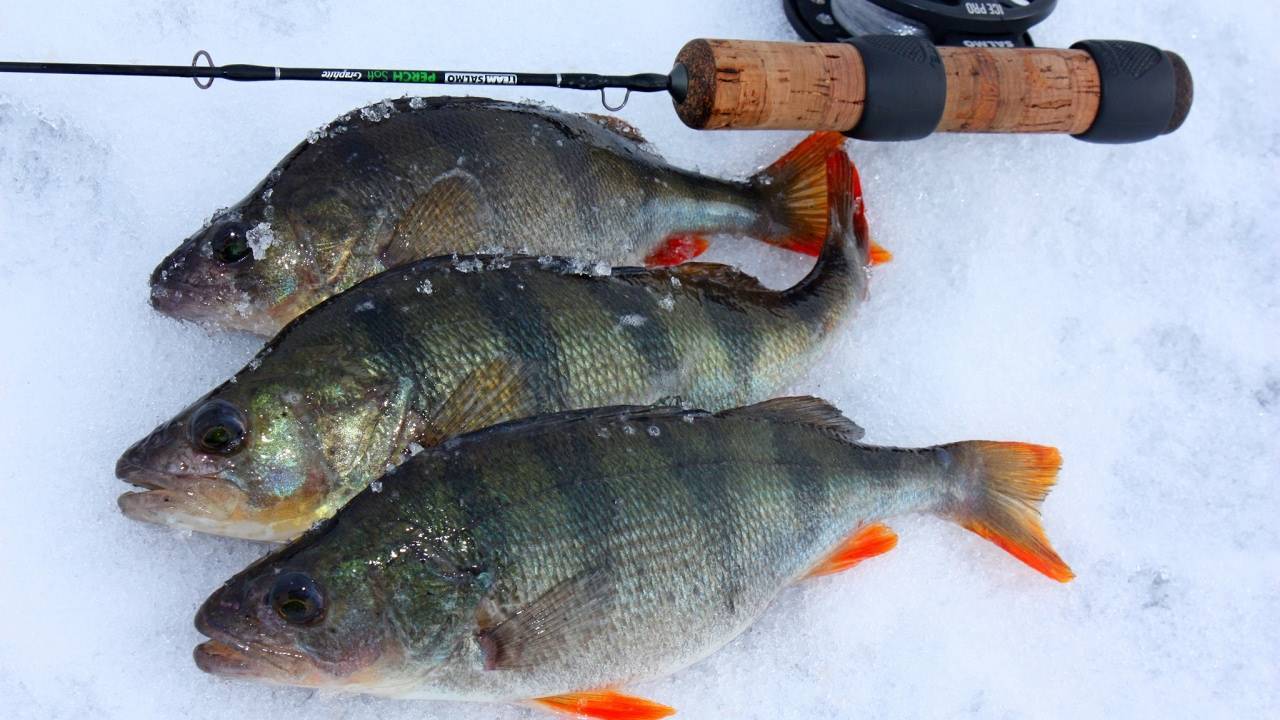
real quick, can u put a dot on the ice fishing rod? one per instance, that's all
(645, 82)
(872, 87)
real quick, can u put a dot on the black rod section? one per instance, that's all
(644, 82)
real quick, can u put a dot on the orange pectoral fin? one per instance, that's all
(677, 249)
(605, 705)
(868, 541)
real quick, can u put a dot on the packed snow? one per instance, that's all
(1119, 302)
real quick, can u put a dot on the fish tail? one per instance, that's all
(1004, 484)
(799, 188)
(839, 273)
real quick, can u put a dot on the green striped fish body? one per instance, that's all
(566, 553)
(670, 532)
(404, 180)
(713, 338)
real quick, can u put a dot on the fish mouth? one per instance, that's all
(219, 658)
(184, 300)
(204, 503)
(211, 306)
(228, 656)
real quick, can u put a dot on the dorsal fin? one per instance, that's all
(722, 281)
(726, 275)
(803, 410)
(616, 124)
(554, 422)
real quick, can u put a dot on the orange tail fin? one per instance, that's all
(1012, 480)
(798, 182)
(605, 705)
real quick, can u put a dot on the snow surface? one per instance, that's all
(1122, 303)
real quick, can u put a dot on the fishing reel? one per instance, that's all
(1003, 23)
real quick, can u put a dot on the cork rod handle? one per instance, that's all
(899, 88)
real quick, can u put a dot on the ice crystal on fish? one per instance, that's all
(260, 238)
(377, 112)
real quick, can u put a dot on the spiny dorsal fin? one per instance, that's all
(802, 410)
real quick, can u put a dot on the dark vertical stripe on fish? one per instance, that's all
(573, 165)
(385, 330)
(529, 335)
(576, 497)
(742, 342)
(810, 484)
(713, 490)
(639, 318)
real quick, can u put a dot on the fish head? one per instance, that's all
(241, 271)
(243, 461)
(360, 602)
(301, 616)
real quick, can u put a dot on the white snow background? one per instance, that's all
(1119, 302)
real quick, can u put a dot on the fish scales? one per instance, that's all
(655, 517)
(420, 178)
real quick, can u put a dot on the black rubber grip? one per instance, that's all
(1140, 91)
(906, 88)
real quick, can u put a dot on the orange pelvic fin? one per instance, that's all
(879, 255)
(1014, 478)
(605, 705)
(677, 249)
(867, 542)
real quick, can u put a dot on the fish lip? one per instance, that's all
(226, 655)
(148, 478)
(219, 658)
(145, 505)
(169, 293)
(187, 501)
(142, 477)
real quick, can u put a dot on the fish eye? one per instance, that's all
(218, 426)
(297, 599)
(230, 243)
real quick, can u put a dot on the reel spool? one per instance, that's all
(1003, 23)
